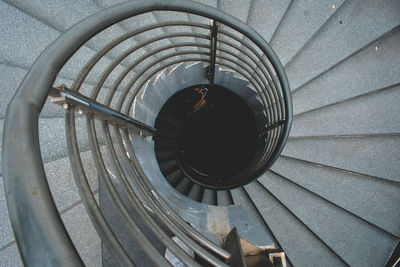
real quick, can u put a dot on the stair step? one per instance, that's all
(65, 193)
(167, 16)
(374, 156)
(371, 199)
(175, 177)
(25, 37)
(293, 32)
(300, 245)
(143, 114)
(10, 79)
(224, 198)
(55, 15)
(238, 9)
(241, 198)
(358, 24)
(53, 143)
(265, 19)
(184, 186)
(368, 114)
(373, 68)
(169, 166)
(139, 21)
(340, 230)
(196, 193)
(210, 197)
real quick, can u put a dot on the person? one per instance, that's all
(202, 90)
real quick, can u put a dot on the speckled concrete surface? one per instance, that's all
(361, 24)
(376, 156)
(362, 94)
(340, 230)
(366, 197)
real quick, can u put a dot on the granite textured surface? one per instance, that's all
(331, 199)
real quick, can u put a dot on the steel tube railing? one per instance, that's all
(30, 203)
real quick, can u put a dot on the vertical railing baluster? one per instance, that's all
(213, 51)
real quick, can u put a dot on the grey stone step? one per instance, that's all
(11, 78)
(370, 155)
(374, 67)
(10, 256)
(199, 19)
(224, 198)
(293, 32)
(341, 231)
(373, 200)
(175, 177)
(63, 15)
(168, 166)
(300, 245)
(196, 193)
(374, 113)
(184, 186)
(6, 234)
(357, 25)
(67, 199)
(53, 144)
(24, 38)
(210, 197)
(266, 16)
(241, 198)
(212, 3)
(83, 234)
(138, 22)
(238, 9)
(168, 16)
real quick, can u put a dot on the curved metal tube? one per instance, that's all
(31, 207)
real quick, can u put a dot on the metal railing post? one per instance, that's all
(213, 51)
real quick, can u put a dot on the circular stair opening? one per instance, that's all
(210, 134)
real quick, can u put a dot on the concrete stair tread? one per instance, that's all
(361, 24)
(352, 192)
(196, 193)
(375, 156)
(63, 15)
(373, 68)
(372, 113)
(238, 9)
(340, 230)
(184, 186)
(25, 38)
(210, 197)
(68, 202)
(304, 250)
(175, 177)
(266, 18)
(293, 33)
(224, 198)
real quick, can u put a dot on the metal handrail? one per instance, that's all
(40, 233)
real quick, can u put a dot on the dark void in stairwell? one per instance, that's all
(210, 132)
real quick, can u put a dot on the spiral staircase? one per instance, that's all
(326, 195)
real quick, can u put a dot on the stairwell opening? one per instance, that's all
(211, 136)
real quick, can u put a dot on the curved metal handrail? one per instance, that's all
(40, 233)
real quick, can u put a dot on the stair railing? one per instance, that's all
(227, 43)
